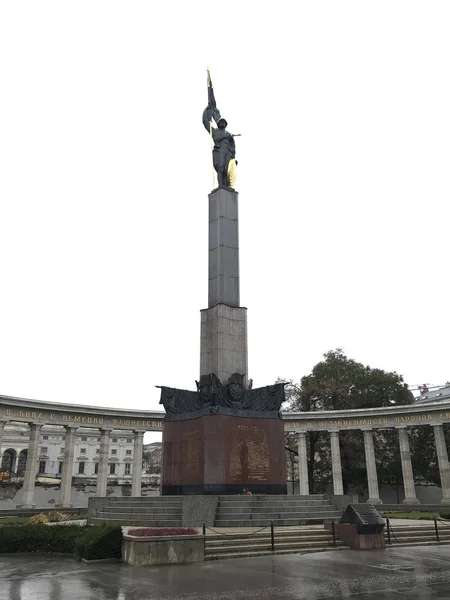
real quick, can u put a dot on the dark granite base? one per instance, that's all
(224, 454)
(222, 490)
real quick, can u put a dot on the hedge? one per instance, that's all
(91, 543)
(39, 538)
(100, 542)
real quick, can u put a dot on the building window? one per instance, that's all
(112, 469)
(98, 439)
(60, 467)
(62, 450)
(97, 451)
(114, 440)
(83, 450)
(128, 452)
(96, 469)
(45, 437)
(42, 464)
(129, 441)
(81, 468)
(44, 450)
(84, 438)
(113, 451)
(127, 468)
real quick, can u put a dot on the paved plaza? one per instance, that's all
(415, 572)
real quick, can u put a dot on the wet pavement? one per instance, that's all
(412, 572)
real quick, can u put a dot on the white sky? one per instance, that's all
(105, 170)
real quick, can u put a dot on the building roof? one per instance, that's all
(442, 393)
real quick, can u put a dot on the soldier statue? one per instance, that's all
(224, 150)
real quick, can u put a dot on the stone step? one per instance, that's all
(157, 510)
(278, 509)
(138, 502)
(274, 500)
(266, 522)
(124, 522)
(275, 516)
(408, 544)
(133, 515)
(322, 544)
(266, 506)
(266, 541)
(257, 553)
(241, 498)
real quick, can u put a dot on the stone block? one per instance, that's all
(223, 342)
(162, 550)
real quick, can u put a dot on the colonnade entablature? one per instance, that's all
(432, 413)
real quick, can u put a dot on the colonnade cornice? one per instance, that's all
(433, 413)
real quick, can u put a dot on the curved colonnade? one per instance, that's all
(38, 413)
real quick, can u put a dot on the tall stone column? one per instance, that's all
(442, 456)
(302, 464)
(223, 335)
(161, 474)
(65, 491)
(31, 467)
(103, 461)
(137, 463)
(2, 426)
(371, 467)
(338, 487)
(408, 477)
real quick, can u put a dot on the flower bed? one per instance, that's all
(163, 546)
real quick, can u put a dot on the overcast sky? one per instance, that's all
(105, 169)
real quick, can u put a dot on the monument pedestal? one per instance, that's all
(224, 454)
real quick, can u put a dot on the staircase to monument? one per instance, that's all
(304, 540)
(284, 511)
(160, 511)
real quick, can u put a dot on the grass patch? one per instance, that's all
(411, 515)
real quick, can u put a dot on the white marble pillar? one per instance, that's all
(103, 463)
(302, 464)
(31, 467)
(137, 463)
(2, 426)
(65, 490)
(338, 487)
(442, 456)
(408, 477)
(371, 467)
(162, 463)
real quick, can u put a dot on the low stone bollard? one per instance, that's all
(139, 550)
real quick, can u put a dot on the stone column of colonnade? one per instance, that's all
(442, 456)
(31, 467)
(103, 463)
(162, 463)
(137, 463)
(65, 490)
(371, 468)
(302, 464)
(338, 488)
(405, 456)
(2, 426)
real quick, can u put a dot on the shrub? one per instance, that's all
(38, 519)
(39, 538)
(153, 531)
(99, 542)
(444, 515)
(57, 517)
